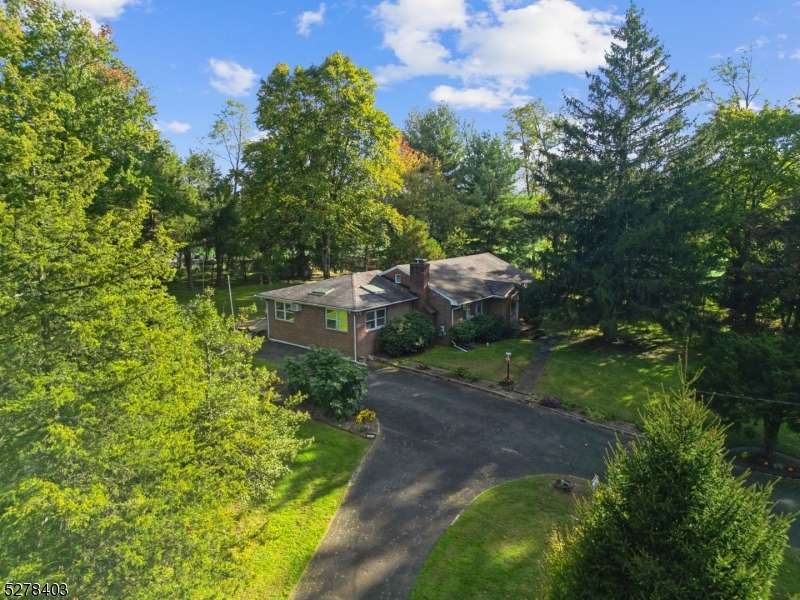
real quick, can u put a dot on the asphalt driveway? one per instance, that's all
(442, 445)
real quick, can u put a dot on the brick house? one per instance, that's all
(347, 312)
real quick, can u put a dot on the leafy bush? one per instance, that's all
(330, 381)
(490, 328)
(462, 372)
(407, 334)
(550, 402)
(463, 333)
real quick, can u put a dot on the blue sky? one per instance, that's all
(482, 56)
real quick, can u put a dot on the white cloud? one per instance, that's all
(230, 77)
(482, 98)
(99, 10)
(309, 18)
(795, 55)
(781, 36)
(172, 126)
(494, 51)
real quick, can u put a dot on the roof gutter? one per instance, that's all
(347, 308)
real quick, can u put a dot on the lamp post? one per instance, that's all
(508, 369)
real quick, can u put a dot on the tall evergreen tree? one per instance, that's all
(617, 218)
(672, 521)
(438, 133)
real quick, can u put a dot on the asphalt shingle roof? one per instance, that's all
(347, 292)
(470, 278)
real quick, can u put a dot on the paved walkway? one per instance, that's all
(529, 377)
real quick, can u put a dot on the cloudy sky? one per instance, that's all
(481, 56)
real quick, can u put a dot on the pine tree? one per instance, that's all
(672, 522)
(617, 218)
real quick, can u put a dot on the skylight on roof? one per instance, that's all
(322, 291)
(373, 288)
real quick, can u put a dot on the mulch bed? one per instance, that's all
(349, 425)
(784, 465)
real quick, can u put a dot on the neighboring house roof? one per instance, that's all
(346, 292)
(469, 278)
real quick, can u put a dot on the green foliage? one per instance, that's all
(764, 366)
(331, 381)
(462, 372)
(409, 240)
(463, 333)
(534, 128)
(490, 328)
(315, 181)
(672, 521)
(135, 436)
(620, 219)
(439, 134)
(407, 334)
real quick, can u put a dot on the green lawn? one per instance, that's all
(242, 294)
(297, 518)
(485, 362)
(611, 380)
(260, 362)
(495, 549)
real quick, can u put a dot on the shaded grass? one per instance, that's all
(485, 362)
(611, 380)
(294, 522)
(260, 362)
(616, 381)
(496, 548)
(242, 294)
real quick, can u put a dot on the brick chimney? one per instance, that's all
(420, 272)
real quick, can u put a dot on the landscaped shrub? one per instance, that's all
(365, 416)
(462, 372)
(330, 381)
(407, 334)
(490, 328)
(463, 333)
(550, 402)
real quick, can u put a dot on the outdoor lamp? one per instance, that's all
(508, 368)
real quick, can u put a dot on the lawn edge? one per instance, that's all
(353, 476)
(519, 398)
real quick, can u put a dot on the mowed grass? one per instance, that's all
(485, 362)
(243, 294)
(294, 522)
(617, 381)
(609, 379)
(496, 548)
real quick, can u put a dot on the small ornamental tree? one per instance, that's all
(407, 334)
(672, 521)
(331, 381)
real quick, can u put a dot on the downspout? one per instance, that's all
(355, 338)
(267, 313)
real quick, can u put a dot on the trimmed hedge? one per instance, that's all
(407, 334)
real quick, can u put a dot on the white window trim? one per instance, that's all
(470, 312)
(367, 319)
(337, 311)
(398, 278)
(286, 311)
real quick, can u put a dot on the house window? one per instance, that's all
(473, 309)
(376, 319)
(336, 319)
(398, 278)
(283, 312)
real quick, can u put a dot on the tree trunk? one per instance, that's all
(771, 427)
(244, 269)
(187, 257)
(220, 257)
(326, 256)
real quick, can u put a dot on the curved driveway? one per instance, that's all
(442, 444)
